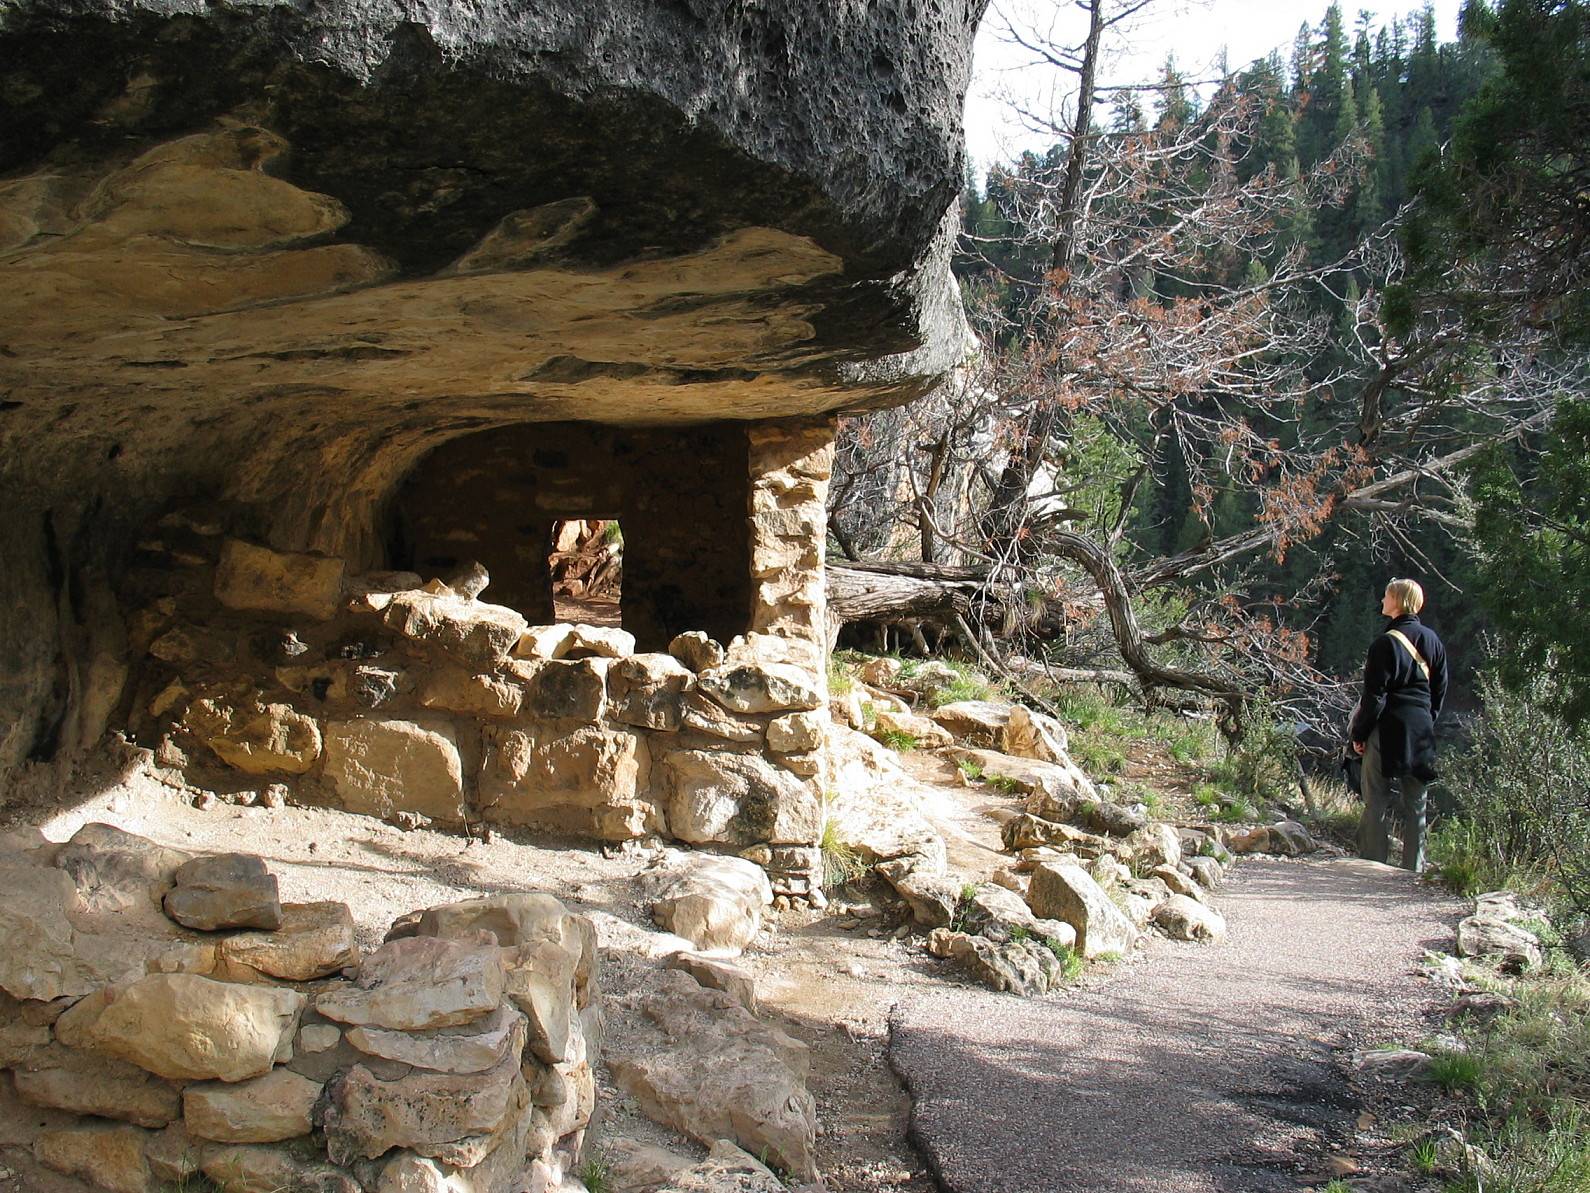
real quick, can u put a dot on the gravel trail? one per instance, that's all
(1190, 1069)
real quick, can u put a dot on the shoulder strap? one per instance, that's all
(1424, 668)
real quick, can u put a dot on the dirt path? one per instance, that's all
(1204, 1069)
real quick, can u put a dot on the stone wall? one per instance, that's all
(164, 1015)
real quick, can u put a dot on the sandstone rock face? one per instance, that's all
(187, 1027)
(420, 983)
(1066, 892)
(648, 690)
(928, 734)
(1183, 918)
(713, 902)
(379, 767)
(230, 890)
(727, 1169)
(1024, 967)
(696, 651)
(978, 723)
(449, 1117)
(253, 577)
(254, 737)
(761, 687)
(106, 1157)
(85, 1083)
(314, 940)
(713, 1071)
(585, 778)
(471, 631)
(738, 799)
(267, 1109)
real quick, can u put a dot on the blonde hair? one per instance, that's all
(1410, 597)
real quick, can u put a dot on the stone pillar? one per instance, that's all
(790, 464)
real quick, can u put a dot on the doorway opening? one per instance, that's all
(587, 568)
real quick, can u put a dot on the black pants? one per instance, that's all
(1374, 831)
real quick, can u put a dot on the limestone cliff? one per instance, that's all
(257, 261)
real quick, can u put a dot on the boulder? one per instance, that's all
(1182, 918)
(738, 799)
(710, 1069)
(600, 642)
(473, 1048)
(1027, 734)
(880, 672)
(796, 732)
(1001, 915)
(1178, 883)
(761, 687)
(1024, 967)
(1511, 946)
(565, 689)
(268, 1109)
(455, 1118)
(979, 723)
(474, 632)
(85, 1083)
(118, 872)
(254, 737)
(1206, 872)
(264, 1168)
(419, 983)
(380, 767)
(110, 1158)
(1065, 892)
(928, 735)
(929, 676)
(1154, 845)
(714, 974)
(249, 577)
(187, 1027)
(40, 960)
(696, 651)
(1108, 871)
(933, 898)
(1287, 839)
(727, 1169)
(174, 1156)
(228, 890)
(713, 902)
(701, 715)
(1139, 897)
(584, 778)
(1026, 831)
(470, 693)
(648, 690)
(1064, 788)
(314, 940)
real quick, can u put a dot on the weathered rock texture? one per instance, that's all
(461, 1050)
(278, 277)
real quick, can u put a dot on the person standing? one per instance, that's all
(1405, 682)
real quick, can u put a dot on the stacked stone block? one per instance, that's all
(261, 1051)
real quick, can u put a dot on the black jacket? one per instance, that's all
(1400, 701)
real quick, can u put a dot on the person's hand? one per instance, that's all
(1358, 747)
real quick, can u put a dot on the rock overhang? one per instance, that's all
(262, 259)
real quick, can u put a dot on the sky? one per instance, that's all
(1195, 31)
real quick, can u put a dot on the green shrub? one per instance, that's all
(898, 740)
(962, 688)
(1071, 962)
(970, 767)
(1522, 795)
(1456, 1071)
(841, 862)
(1003, 783)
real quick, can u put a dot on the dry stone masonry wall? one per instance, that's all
(163, 1016)
(386, 696)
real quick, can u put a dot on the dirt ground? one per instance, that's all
(830, 979)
